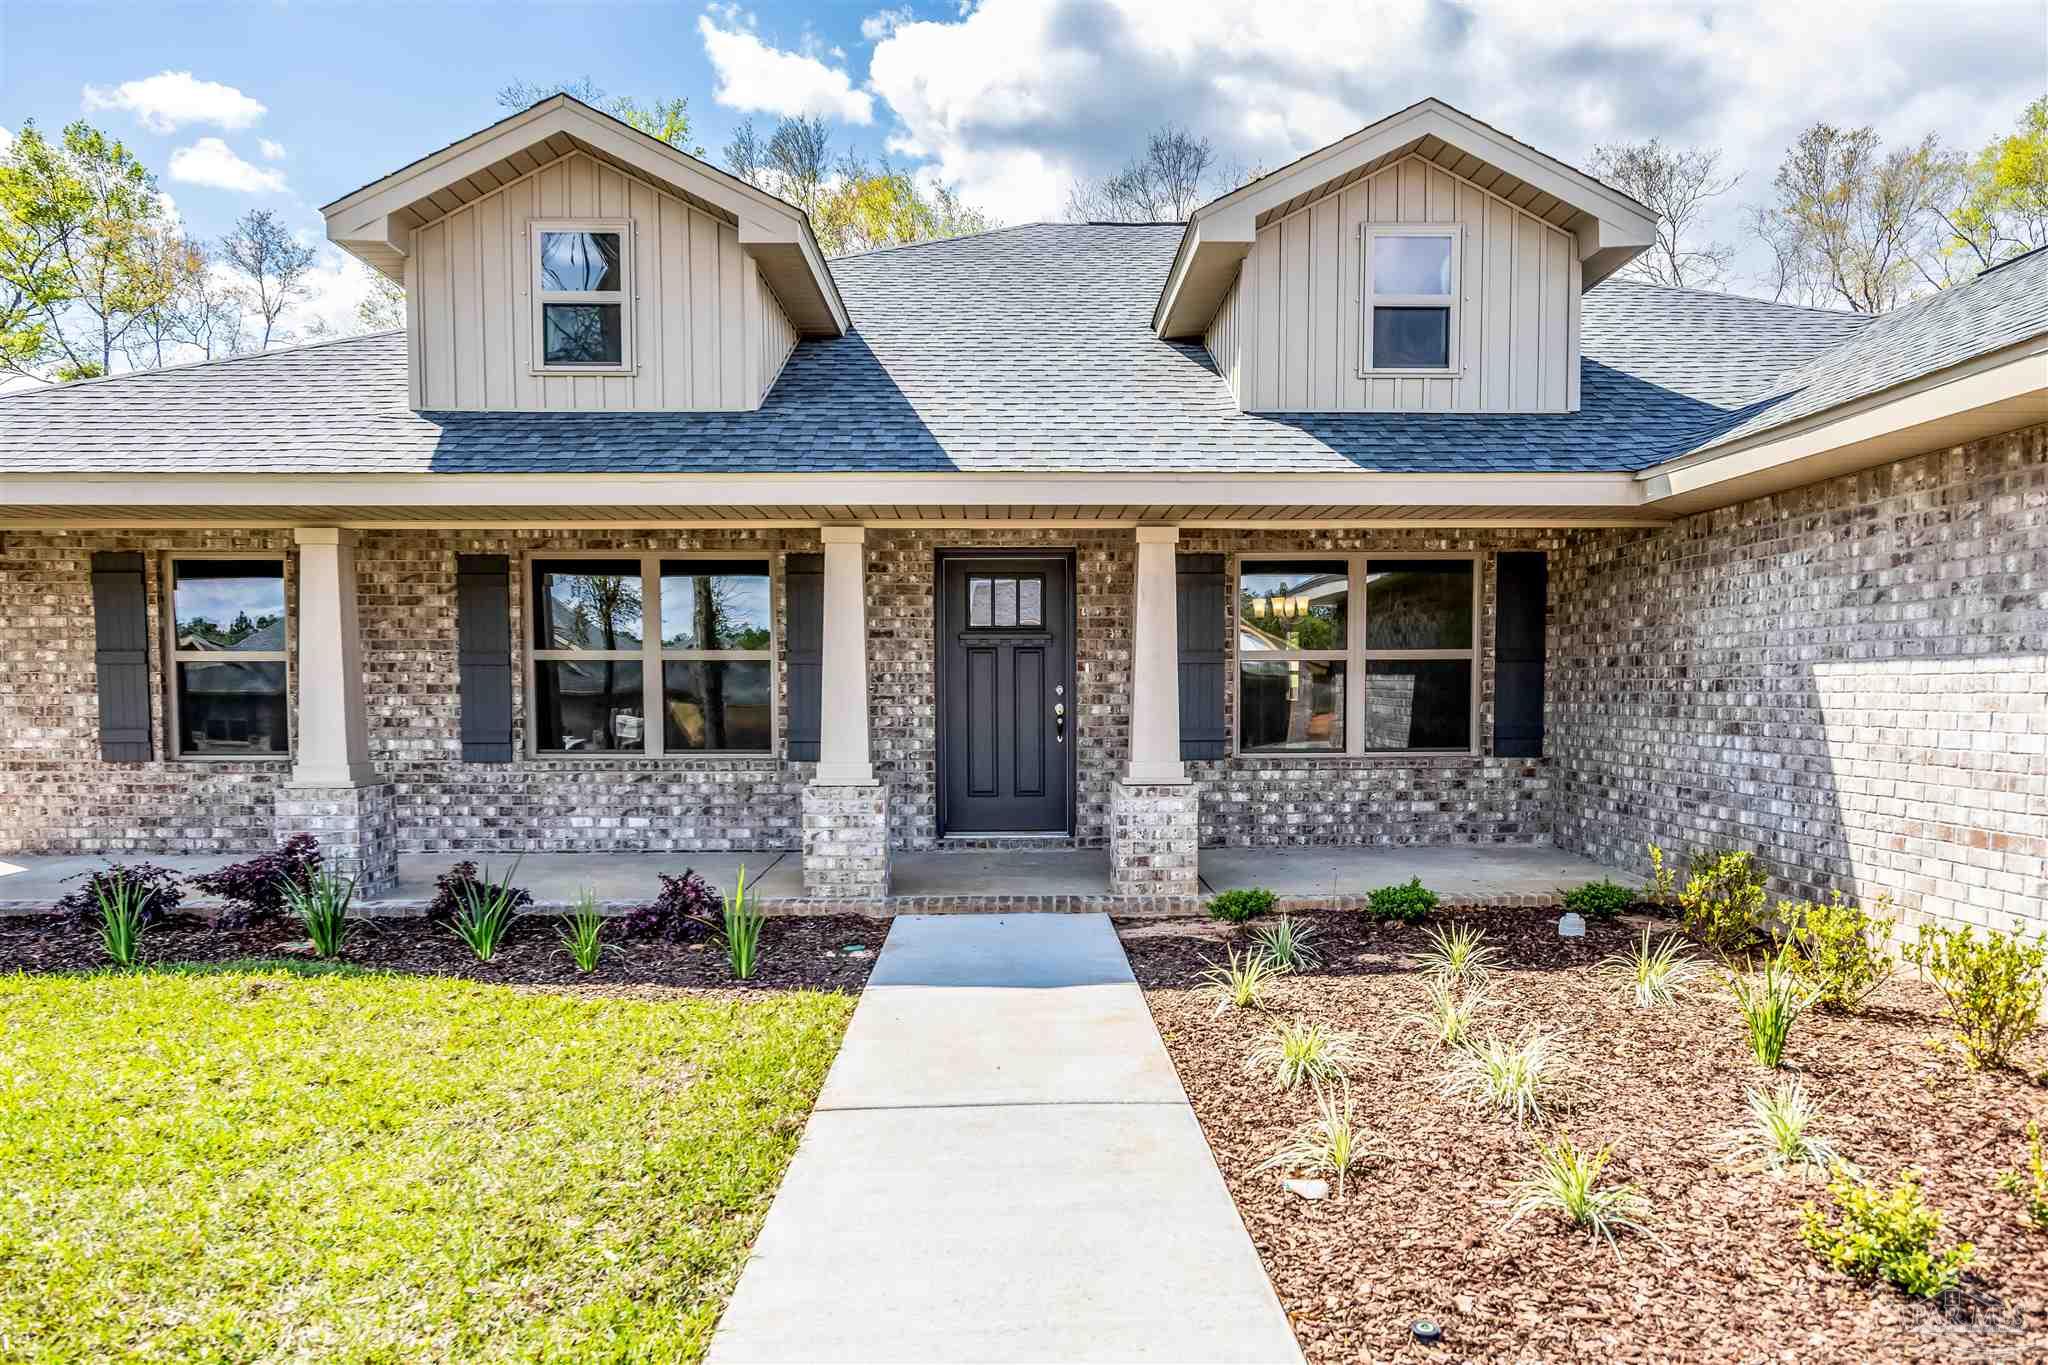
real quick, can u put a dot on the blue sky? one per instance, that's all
(288, 106)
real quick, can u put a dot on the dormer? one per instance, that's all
(563, 260)
(1426, 263)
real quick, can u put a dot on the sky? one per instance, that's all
(290, 105)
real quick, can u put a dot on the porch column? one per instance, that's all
(845, 810)
(334, 793)
(1154, 810)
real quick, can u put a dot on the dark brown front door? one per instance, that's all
(1006, 694)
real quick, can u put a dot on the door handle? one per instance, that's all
(1059, 722)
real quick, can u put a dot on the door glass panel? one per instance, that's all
(713, 604)
(981, 602)
(587, 604)
(233, 604)
(1418, 604)
(1418, 704)
(1030, 601)
(1006, 603)
(1291, 706)
(1294, 605)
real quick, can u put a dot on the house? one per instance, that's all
(1366, 507)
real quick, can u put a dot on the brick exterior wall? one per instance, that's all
(1847, 678)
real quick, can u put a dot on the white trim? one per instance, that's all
(173, 656)
(624, 298)
(1371, 299)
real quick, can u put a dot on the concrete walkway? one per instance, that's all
(1003, 1167)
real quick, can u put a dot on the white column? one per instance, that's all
(1155, 663)
(333, 734)
(843, 759)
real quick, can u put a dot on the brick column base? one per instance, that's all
(846, 842)
(1154, 840)
(357, 828)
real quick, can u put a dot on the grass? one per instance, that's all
(1459, 954)
(269, 1161)
(1302, 1050)
(1651, 977)
(1521, 1079)
(1780, 1137)
(1567, 1183)
(1240, 982)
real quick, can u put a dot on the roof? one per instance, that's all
(1029, 349)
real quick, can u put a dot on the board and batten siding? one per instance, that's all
(707, 331)
(1289, 329)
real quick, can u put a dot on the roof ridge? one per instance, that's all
(985, 232)
(1843, 313)
(72, 385)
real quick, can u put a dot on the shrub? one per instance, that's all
(1520, 1078)
(1887, 1237)
(1240, 982)
(122, 918)
(1722, 901)
(1567, 1182)
(582, 933)
(155, 888)
(1770, 1005)
(1460, 954)
(1599, 900)
(1285, 944)
(452, 888)
(1778, 1136)
(2030, 1184)
(1993, 986)
(484, 913)
(1331, 1143)
(1653, 976)
(1303, 1051)
(1451, 1010)
(684, 901)
(742, 931)
(1247, 902)
(255, 889)
(322, 906)
(1663, 885)
(1843, 949)
(1407, 902)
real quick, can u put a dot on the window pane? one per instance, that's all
(1030, 601)
(229, 603)
(1411, 265)
(581, 334)
(1300, 604)
(1418, 604)
(232, 708)
(712, 705)
(1418, 704)
(1288, 707)
(1411, 338)
(1006, 602)
(981, 602)
(579, 260)
(714, 604)
(587, 706)
(587, 604)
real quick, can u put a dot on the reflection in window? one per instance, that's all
(588, 705)
(581, 292)
(228, 604)
(230, 689)
(1418, 604)
(581, 334)
(233, 707)
(1411, 264)
(1291, 706)
(587, 604)
(1293, 605)
(579, 262)
(712, 604)
(1411, 338)
(1418, 704)
(717, 705)
(1005, 603)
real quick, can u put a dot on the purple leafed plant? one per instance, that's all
(684, 901)
(255, 889)
(158, 886)
(448, 891)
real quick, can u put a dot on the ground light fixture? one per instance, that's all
(1426, 1331)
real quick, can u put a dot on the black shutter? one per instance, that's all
(483, 642)
(804, 579)
(1521, 590)
(1202, 621)
(120, 613)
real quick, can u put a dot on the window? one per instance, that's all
(230, 656)
(581, 290)
(1411, 298)
(1356, 654)
(1006, 603)
(701, 682)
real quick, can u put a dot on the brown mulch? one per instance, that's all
(1724, 1275)
(797, 952)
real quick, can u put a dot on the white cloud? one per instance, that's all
(1016, 98)
(882, 23)
(272, 151)
(756, 77)
(170, 100)
(213, 163)
(6, 141)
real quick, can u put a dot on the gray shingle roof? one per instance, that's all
(1025, 349)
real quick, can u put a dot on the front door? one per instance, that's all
(1006, 694)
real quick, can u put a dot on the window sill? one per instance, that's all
(615, 756)
(1370, 756)
(231, 758)
(1411, 374)
(585, 371)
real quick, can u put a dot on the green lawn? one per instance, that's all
(265, 1162)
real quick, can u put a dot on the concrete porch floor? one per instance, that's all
(1460, 875)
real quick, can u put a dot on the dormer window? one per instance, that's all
(1411, 299)
(582, 286)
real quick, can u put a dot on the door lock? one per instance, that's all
(1059, 722)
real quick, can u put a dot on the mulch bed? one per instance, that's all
(1725, 1276)
(796, 953)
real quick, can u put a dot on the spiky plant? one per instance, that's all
(1567, 1182)
(583, 933)
(1451, 1010)
(321, 904)
(1654, 976)
(1779, 1134)
(122, 905)
(1240, 981)
(1770, 1004)
(1522, 1079)
(743, 921)
(1302, 1050)
(1459, 953)
(1286, 944)
(483, 911)
(1329, 1144)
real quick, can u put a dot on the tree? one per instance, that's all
(270, 269)
(1994, 205)
(1675, 184)
(745, 157)
(80, 223)
(797, 159)
(668, 120)
(1849, 218)
(866, 207)
(383, 307)
(176, 262)
(1175, 173)
(209, 315)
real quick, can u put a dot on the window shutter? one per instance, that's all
(483, 635)
(1521, 592)
(120, 612)
(804, 580)
(1201, 621)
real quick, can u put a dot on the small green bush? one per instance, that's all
(1599, 900)
(1993, 986)
(484, 910)
(1246, 902)
(1888, 1237)
(1663, 885)
(123, 914)
(1843, 949)
(1722, 900)
(1407, 902)
(2031, 1183)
